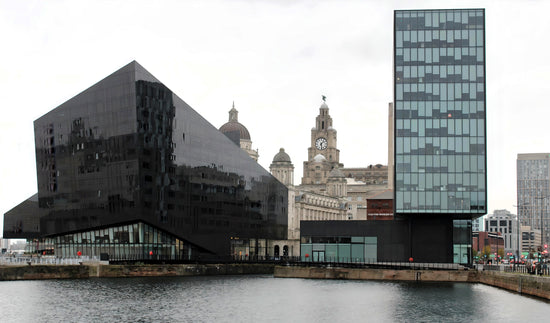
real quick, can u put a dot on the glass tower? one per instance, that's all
(439, 95)
(533, 190)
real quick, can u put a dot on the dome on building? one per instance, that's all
(319, 158)
(281, 156)
(336, 173)
(233, 126)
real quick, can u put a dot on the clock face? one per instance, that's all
(321, 143)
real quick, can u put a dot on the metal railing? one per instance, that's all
(45, 260)
(353, 263)
(283, 260)
(543, 269)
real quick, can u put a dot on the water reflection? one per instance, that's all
(260, 299)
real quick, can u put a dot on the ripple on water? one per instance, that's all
(259, 299)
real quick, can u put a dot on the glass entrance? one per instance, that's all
(318, 256)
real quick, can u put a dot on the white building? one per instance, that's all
(478, 224)
(507, 224)
(530, 239)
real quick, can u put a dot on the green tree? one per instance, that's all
(486, 253)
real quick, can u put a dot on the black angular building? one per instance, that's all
(128, 170)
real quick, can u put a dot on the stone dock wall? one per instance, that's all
(376, 274)
(524, 284)
(521, 283)
(43, 272)
(97, 270)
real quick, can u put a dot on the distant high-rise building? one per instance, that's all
(533, 189)
(439, 112)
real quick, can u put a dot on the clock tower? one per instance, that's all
(323, 155)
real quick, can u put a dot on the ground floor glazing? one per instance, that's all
(128, 242)
(339, 249)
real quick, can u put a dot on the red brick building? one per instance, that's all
(380, 206)
(483, 238)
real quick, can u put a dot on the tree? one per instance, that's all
(486, 252)
(531, 253)
(501, 253)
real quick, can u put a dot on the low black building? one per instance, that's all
(129, 170)
(424, 239)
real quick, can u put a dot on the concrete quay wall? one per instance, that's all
(524, 284)
(376, 274)
(97, 270)
(43, 272)
(179, 270)
(521, 283)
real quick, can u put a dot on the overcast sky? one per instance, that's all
(274, 59)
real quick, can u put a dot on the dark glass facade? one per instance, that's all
(128, 150)
(439, 100)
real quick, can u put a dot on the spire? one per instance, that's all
(233, 114)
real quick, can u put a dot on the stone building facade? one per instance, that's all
(328, 191)
(323, 167)
(323, 154)
(371, 175)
